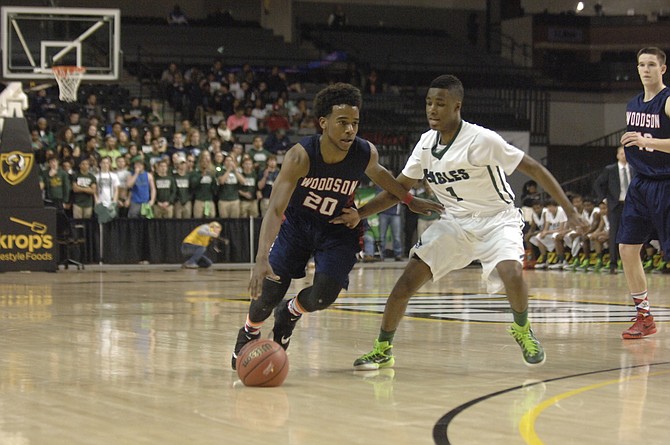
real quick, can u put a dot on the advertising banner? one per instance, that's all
(28, 239)
(27, 228)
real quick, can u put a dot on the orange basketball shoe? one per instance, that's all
(642, 327)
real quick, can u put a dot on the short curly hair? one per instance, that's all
(336, 94)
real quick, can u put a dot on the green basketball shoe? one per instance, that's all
(380, 357)
(533, 353)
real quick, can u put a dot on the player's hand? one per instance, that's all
(425, 206)
(631, 138)
(349, 217)
(261, 270)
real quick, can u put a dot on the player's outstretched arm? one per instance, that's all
(398, 189)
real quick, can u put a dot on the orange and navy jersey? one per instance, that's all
(328, 188)
(650, 120)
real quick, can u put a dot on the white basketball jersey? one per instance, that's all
(468, 174)
(539, 219)
(589, 217)
(554, 221)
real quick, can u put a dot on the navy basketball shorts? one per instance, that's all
(334, 248)
(646, 210)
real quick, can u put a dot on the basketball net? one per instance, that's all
(68, 78)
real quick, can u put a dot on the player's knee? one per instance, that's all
(510, 271)
(272, 294)
(629, 250)
(321, 294)
(273, 291)
(319, 303)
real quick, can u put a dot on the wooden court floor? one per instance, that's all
(141, 355)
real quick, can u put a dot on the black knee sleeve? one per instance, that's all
(319, 295)
(272, 294)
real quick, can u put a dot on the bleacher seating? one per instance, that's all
(201, 45)
(414, 57)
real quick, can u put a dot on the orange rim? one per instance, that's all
(67, 69)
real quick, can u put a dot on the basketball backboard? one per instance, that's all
(35, 39)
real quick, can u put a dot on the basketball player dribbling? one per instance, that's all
(317, 181)
(465, 165)
(647, 204)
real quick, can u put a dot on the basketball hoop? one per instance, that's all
(68, 78)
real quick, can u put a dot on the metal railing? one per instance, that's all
(589, 170)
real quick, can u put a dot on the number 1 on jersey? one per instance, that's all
(453, 193)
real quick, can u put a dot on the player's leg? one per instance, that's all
(415, 275)
(595, 245)
(637, 221)
(288, 258)
(334, 257)
(637, 285)
(632, 267)
(541, 262)
(427, 260)
(500, 251)
(321, 294)
(572, 243)
(510, 272)
(260, 309)
(559, 243)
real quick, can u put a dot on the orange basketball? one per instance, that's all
(262, 363)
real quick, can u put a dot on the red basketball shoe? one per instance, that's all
(642, 327)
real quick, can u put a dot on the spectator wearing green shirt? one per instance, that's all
(84, 188)
(203, 184)
(259, 154)
(229, 181)
(166, 192)
(55, 183)
(110, 148)
(183, 205)
(248, 189)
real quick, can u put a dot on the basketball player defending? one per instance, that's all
(465, 165)
(647, 205)
(317, 180)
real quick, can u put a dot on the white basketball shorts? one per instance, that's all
(453, 243)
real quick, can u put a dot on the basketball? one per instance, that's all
(262, 363)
